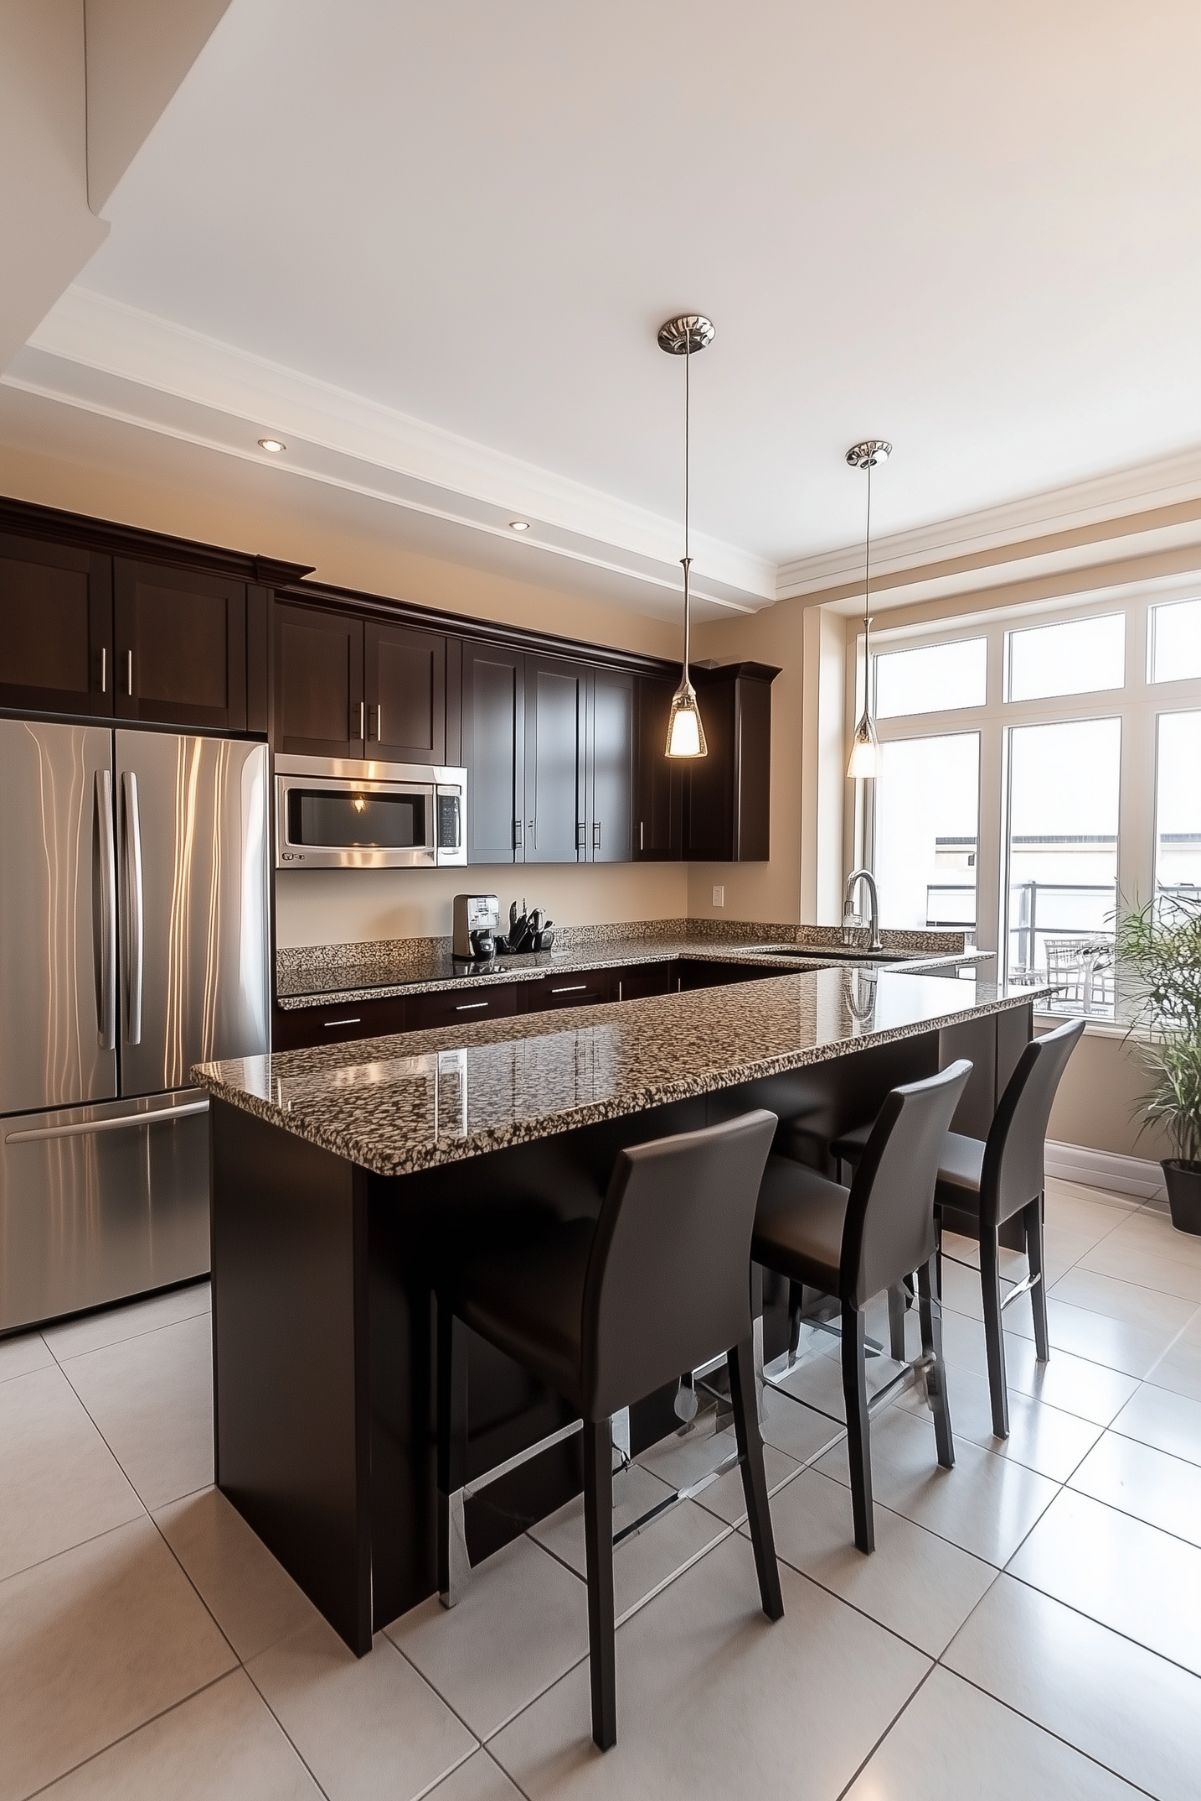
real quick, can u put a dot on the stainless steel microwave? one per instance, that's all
(334, 813)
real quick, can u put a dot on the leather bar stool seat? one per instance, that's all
(800, 1219)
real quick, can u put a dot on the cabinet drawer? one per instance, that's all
(583, 990)
(303, 1027)
(637, 981)
(462, 1006)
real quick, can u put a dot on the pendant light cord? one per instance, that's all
(867, 588)
(687, 468)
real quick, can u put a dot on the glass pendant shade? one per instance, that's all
(685, 733)
(864, 764)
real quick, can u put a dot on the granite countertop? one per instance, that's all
(426, 970)
(400, 1104)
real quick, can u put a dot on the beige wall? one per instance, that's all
(1098, 1102)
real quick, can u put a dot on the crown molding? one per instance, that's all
(1146, 487)
(92, 332)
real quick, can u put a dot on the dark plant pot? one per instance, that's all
(1184, 1194)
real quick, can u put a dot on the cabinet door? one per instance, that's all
(180, 640)
(640, 981)
(658, 792)
(611, 767)
(494, 752)
(405, 685)
(298, 1028)
(587, 988)
(318, 682)
(556, 828)
(462, 1006)
(56, 628)
(709, 823)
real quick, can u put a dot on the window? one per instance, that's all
(932, 679)
(1057, 784)
(1078, 657)
(926, 850)
(1176, 641)
(1178, 804)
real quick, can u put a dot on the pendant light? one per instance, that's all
(681, 336)
(865, 746)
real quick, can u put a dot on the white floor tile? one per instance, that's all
(986, 1504)
(1168, 1421)
(1043, 1438)
(18, 1356)
(367, 1726)
(914, 1583)
(800, 1432)
(152, 1398)
(1090, 1390)
(646, 1560)
(1134, 1713)
(92, 1331)
(59, 1482)
(223, 1742)
(713, 1700)
(1127, 1575)
(1179, 1369)
(955, 1742)
(1124, 1300)
(479, 1779)
(1164, 1491)
(1132, 1260)
(251, 1596)
(686, 1457)
(1097, 1337)
(1151, 1231)
(94, 1643)
(522, 1622)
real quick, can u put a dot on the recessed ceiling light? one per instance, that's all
(519, 525)
(273, 444)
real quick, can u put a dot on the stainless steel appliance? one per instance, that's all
(476, 923)
(134, 942)
(335, 813)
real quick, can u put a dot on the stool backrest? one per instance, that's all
(669, 1277)
(890, 1230)
(1012, 1174)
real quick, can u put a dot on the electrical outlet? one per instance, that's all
(719, 897)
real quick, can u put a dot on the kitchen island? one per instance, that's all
(344, 1179)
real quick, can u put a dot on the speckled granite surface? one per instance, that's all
(400, 1104)
(355, 972)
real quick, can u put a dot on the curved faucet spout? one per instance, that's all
(873, 899)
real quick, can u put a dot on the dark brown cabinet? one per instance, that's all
(56, 627)
(641, 981)
(585, 988)
(298, 1028)
(405, 692)
(610, 767)
(463, 1006)
(319, 705)
(556, 807)
(658, 786)
(727, 794)
(494, 752)
(179, 638)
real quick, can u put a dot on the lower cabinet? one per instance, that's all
(641, 981)
(463, 1006)
(584, 989)
(301, 1028)
(698, 972)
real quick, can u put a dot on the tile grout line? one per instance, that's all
(901, 1711)
(162, 1713)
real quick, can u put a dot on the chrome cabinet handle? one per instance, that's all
(135, 902)
(328, 1024)
(363, 720)
(379, 721)
(517, 838)
(580, 829)
(469, 1006)
(574, 988)
(596, 829)
(105, 876)
(641, 834)
(129, 672)
(104, 669)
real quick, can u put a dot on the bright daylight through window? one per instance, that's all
(1034, 776)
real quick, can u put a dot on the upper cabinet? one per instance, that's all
(404, 682)
(658, 779)
(556, 768)
(319, 704)
(180, 647)
(56, 627)
(727, 794)
(611, 763)
(494, 752)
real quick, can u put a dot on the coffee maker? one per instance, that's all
(476, 923)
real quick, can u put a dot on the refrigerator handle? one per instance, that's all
(104, 917)
(135, 903)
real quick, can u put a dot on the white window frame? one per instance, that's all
(1137, 705)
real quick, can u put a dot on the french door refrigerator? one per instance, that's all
(134, 942)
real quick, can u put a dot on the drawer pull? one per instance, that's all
(469, 1006)
(328, 1024)
(575, 988)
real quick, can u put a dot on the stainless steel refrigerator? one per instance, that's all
(134, 942)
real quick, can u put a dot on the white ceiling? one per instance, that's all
(970, 229)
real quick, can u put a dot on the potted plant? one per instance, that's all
(1159, 947)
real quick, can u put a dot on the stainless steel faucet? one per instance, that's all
(852, 921)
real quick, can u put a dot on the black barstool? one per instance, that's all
(856, 1243)
(994, 1179)
(606, 1312)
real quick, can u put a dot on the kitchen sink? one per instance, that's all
(838, 952)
